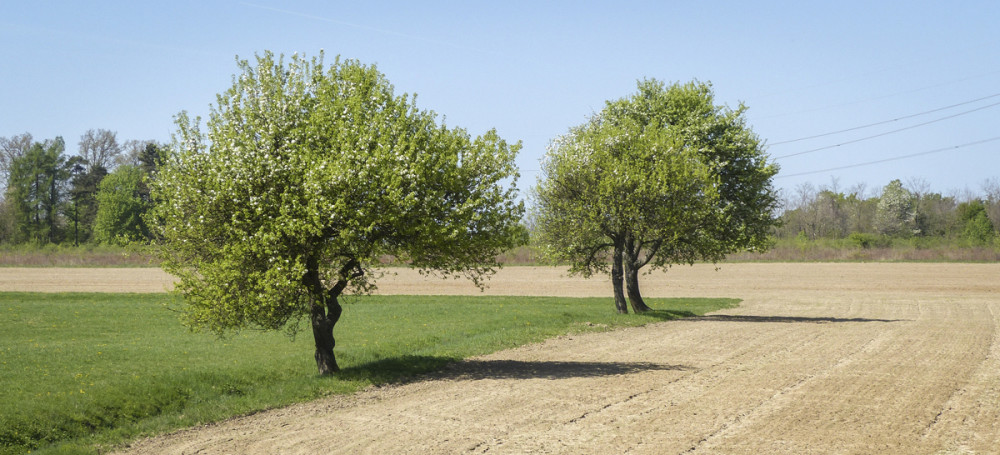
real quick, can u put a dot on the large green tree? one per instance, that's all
(661, 177)
(308, 174)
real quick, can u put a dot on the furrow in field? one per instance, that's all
(883, 399)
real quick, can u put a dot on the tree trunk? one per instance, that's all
(632, 266)
(616, 280)
(632, 287)
(323, 320)
(325, 314)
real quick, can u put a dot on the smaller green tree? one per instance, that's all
(659, 178)
(121, 207)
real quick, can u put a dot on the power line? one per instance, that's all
(887, 132)
(895, 158)
(885, 121)
(919, 89)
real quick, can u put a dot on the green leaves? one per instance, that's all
(121, 208)
(682, 178)
(303, 163)
(37, 187)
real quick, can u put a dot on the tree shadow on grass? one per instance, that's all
(786, 319)
(396, 369)
(407, 368)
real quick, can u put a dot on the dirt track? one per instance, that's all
(819, 358)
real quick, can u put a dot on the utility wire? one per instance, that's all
(887, 132)
(920, 89)
(885, 121)
(895, 158)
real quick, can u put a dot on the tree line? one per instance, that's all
(899, 210)
(98, 195)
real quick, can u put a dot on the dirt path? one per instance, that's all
(819, 358)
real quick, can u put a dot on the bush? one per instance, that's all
(868, 241)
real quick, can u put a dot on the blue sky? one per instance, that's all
(532, 69)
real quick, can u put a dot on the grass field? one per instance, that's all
(82, 372)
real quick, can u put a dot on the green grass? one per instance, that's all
(83, 372)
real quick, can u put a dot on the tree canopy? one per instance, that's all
(36, 187)
(121, 207)
(305, 177)
(661, 177)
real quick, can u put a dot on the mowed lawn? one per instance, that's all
(83, 372)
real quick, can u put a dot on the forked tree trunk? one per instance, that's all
(325, 313)
(617, 275)
(323, 320)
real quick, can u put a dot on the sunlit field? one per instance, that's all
(85, 371)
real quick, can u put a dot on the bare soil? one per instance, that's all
(819, 358)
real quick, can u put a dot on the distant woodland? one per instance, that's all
(99, 196)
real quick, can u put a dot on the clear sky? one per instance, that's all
(532, 69)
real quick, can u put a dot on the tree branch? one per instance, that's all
(351, 270)
(652, 252)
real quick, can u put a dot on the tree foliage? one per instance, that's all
(121, 207)
(975, 226)
(895, 214)
(662, 177)
(82, 210)
(12, 148)
(305, 176)
(36, 190)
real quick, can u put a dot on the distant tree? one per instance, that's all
(151, 157)
(976, 228)
(84, 182)
(37, 189)
(831, 214)
(100, 149)
(799, 215)
(145, 154)
(861, 210)
(8, 224)
(12, 148)
(121, 207)
(659, 178)
(309, 176)
(933, 213)
(991, 188)
(895, 215)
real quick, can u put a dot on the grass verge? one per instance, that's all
(84, 372)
